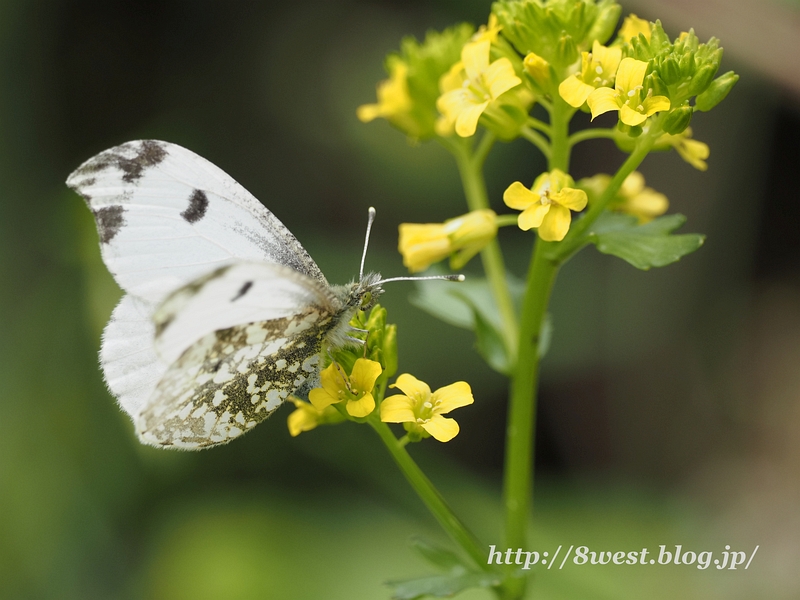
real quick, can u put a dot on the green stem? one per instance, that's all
(539, 125)
(537, 140)
(559, 140)
(521, 428)
(576, 238)
(431, 497)
(469, 166)
(506, 220)
(590, 134)
(520, 433)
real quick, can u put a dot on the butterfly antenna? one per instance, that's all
(426, 278)
(370, 220)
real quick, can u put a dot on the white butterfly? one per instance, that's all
(225, 312)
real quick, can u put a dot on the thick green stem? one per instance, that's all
(470, 168)
(518, 476)
(431, 497)
(559, 140)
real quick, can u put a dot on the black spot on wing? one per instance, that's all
(132, 159)
(198, 205)
(243, 291)
(109, 221)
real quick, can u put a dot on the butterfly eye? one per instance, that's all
(366, 299)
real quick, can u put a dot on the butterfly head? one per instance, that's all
(364, 294)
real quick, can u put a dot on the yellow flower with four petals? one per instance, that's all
(470, 86)
(421, 411)
(356, 389)
(547, 204)
(626, 97)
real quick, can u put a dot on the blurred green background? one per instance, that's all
(671, 399)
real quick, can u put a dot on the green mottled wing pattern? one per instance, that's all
(232, 379)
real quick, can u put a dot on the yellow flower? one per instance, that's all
(598, 68)
(423, 244)
(626, 97)
(633, 197)
(393, 98)
(356, 389)
(488, 32)
(306, 417)
(547, 204)
(422, 410)
(632, 26)
(470, 86)
(692, 151)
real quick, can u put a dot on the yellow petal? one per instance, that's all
(475, 57)
(368, 112)
(533, 216)
(361, 407)
(607, 58)
(574, 91)
(332, 381)
(518, 196)
(452, 396)
(322, 399)
(500, 77)
(451, 103)
(398, 409)
(365, 374)
(694, 152)
(632, 26)
(631, 117)
(412, 387)
(441, 428)
(655, 104)
(630, 74)
(603, 100)
(647, 205)
(555, 225)
(453, 79)
(572, 198)
(467, 120)
(633, 185)
(305, 418)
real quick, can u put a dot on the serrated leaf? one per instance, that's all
(649, 245)
(438, 556)
(441, 586)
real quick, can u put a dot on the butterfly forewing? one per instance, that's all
(166, 216)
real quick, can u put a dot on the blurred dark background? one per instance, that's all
(671, 399)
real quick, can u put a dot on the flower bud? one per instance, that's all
(676, 120)
(538, 69)
(567, 52)
(716, 92)
(669, 71)
(702, 79)
(604, 24)
(390, 351)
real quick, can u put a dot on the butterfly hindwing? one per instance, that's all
(165, 216)
(238, 342)
(232, 379)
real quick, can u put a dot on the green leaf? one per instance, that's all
(438, 556)
(489, 342)
(644, 246)
(471, 305)
(441, 586)
(447, 301)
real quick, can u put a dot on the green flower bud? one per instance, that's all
(390, 351)
(567, 52)
(655, 83)
(669, 71)
(605, 22)
(702, 79)
(676, 120)
(716, 92)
